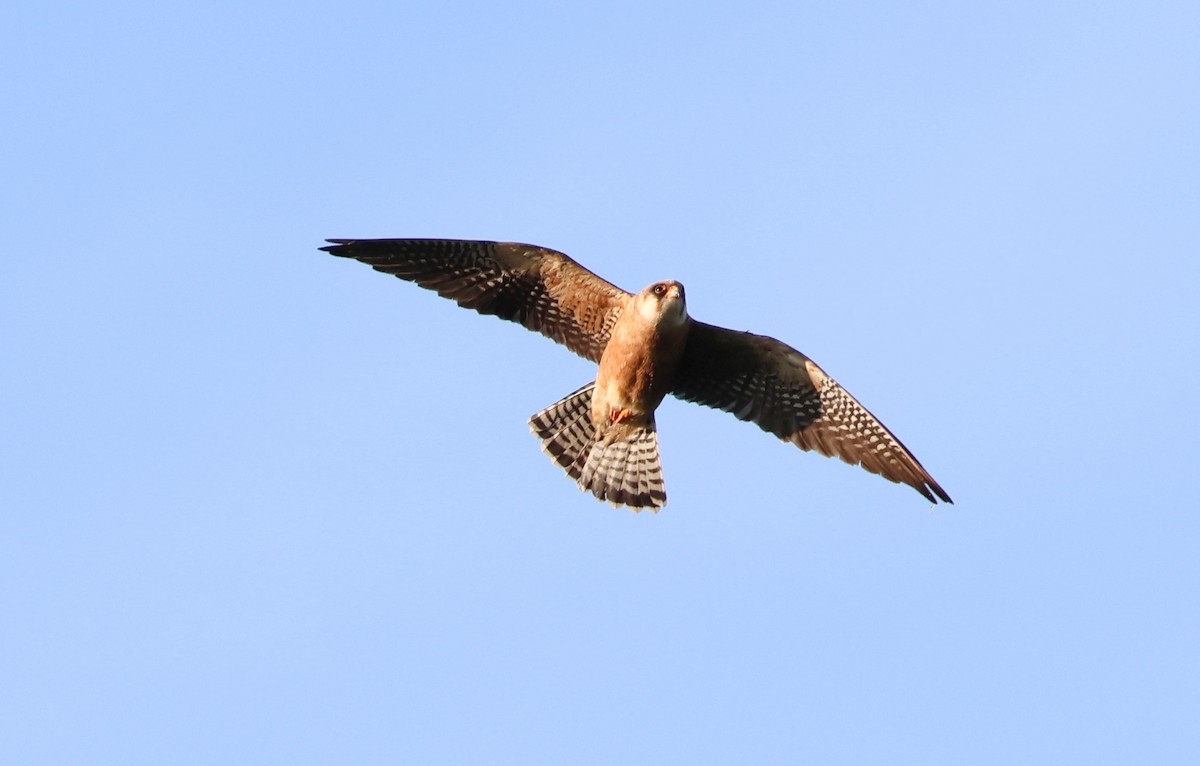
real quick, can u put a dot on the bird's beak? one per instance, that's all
(675, 291)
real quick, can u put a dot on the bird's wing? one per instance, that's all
(773, 385)
(541, 289)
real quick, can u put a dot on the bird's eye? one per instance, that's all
(660, 289)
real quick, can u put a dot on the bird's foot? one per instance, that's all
(618, 415)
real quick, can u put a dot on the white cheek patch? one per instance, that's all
(677, 312)
(657, 311)
(647, 308)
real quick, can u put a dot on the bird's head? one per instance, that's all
(662, 302)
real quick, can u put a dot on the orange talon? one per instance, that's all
(618, 416)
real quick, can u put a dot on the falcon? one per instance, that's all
(646, 346)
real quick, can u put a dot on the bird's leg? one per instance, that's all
(618, 415)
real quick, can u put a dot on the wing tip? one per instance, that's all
(338, 247)
(933, 491)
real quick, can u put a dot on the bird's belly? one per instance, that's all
(627, 389)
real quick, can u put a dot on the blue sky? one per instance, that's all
(261, 505)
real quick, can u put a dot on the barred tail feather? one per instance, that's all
(622, 468)
(627, 471)
(565, 430)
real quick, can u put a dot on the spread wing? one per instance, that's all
(773, 385)
(541, 289)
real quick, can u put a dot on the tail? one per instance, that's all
(619, 465)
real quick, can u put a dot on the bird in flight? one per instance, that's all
(646, 346)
